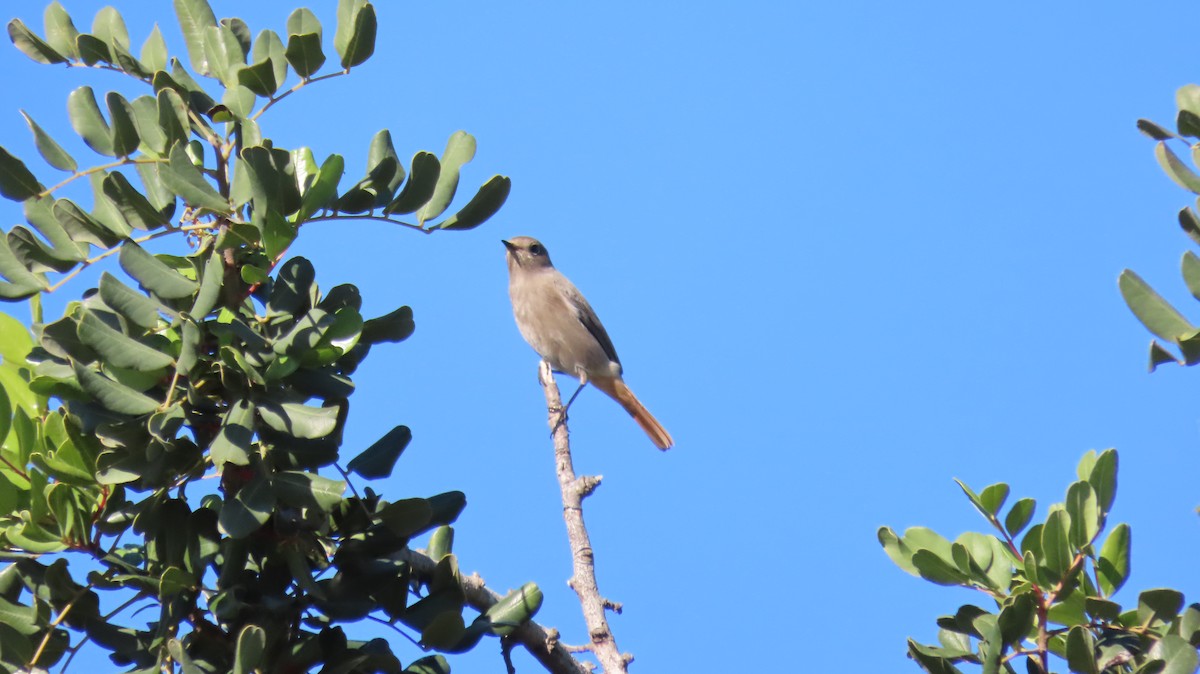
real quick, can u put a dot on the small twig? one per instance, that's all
(62, 615)
(397, 630)
(300, 85)
(381, 218)
(116, 249)
(583, 579)
(96, 169)
(13, 468)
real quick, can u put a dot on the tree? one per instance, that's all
(1051, 592)
(228, 360)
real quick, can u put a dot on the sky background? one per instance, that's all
(847, 252)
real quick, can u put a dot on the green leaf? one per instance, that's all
(993, 497)
(298, 420)
(1016, 618)
(936, 569)
(125, 139)
(50, 150)
(15, 345)
(31, 45)
(23, 282)
(1081, 651)
(175, 581)
(251, 646)
(1153, 130)
(60, 30)
(1056, 554)
(82, 227)
(235, 440)
(302, 21)
(1176, 169)
(268, 47)
(248, 510)
(381, 150)
(377, 461)
(194, 17)
(154, 51)
(112, 395)
(224, 52)
(355, 35)
(88, 122)
(110, 28)
(1179, 655)
(40, 214)
(1084, 510)
(515, 609)
(153, 275)
(1162, 604)
(481, 207)
(259, 78)
(117, 349)
(433, 664)
(1152, 310)
(422, 181)
(212, 278)
(308, 490)
(1112, 568)
(460, 149)
(173, 117)
(16, 181)
(393, 327)
(184, 179)
(406, 517)
(1103, 479)
(133, 205)
(92, 50)
(304, 53)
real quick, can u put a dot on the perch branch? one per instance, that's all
(583, 579)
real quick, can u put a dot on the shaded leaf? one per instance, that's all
(153, 275)
(16, 181)
(378, 460)
(112, 395)
(117, 349)
(184, 179)
(31, 45)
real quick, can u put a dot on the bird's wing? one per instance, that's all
(588, 318)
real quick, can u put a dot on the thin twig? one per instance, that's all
(116, 249)
(381, 218)
(300, 85)
(583, 579)
(96, 169)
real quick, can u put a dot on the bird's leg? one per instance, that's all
(562, 419)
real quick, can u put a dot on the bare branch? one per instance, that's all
(583, 579)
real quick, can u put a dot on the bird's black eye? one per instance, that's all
(536, 249)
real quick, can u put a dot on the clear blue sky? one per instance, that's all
(847, 252)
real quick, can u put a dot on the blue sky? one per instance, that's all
(847, 252)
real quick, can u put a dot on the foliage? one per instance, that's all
(227, 359)
(1159, 317)
(1052, 592)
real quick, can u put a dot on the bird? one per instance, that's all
(557, 321)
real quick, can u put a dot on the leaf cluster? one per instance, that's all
(227, 362)
(1156, 313)
(1051, 593)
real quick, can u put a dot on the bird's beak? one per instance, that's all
(509, 245)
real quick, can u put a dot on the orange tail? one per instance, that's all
(618, 391)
